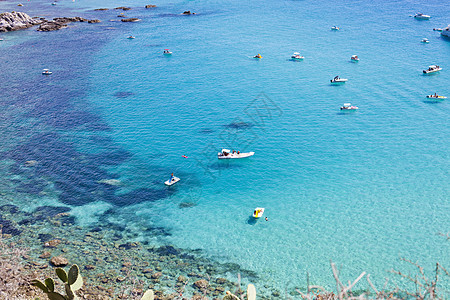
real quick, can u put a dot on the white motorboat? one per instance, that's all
(1, 39)
(425, 40)
(421, 16)
(446, 31)
(432, 69)
(258, 212)
(130, 37)
(354, 58)
(297, 56)
(227, 154)
(258, 56)
(167, 52)
(172, 180)
(436, 97)
(335, 28)
(437, 29)
(337, 79)
(349, 107)
(46, 72)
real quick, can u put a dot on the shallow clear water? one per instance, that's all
(362, 189)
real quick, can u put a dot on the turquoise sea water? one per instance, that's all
(362, 189)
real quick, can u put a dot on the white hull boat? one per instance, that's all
(446, 31)
(297, 56)
(172, 181)
(420, 16)
(338, 80)
(349, 107)
(227, 154)
(436, 97)
(258, 212)
(432, 69)
(425, 40)
(46, 72)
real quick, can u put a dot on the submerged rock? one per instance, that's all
(11, 21)
(150, 6)
(113, 182)
(123, 8)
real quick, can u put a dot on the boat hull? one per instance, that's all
(234, 155)
(174, 180)
(258, 212)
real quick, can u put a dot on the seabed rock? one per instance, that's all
(150, 6)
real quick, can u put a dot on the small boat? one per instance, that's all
(20, 4)
(130, 37)
(421, 16)
(258, 212)
(46, 72)
(257, 56)
(172, 180)
(446, 31)
(436, 96)
(54, 3)
(354, 58)
(425, 40)
(1, 39)
(227, 154)
(297, 56)
(337, 79)
(349, 106)
(335, 28)
(167, 52)
(437, 29)
(432, 69)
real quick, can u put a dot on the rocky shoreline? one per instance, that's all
(12, 21)
(111, 262)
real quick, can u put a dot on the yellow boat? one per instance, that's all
(258, 212)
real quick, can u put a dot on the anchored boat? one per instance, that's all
(227, 154)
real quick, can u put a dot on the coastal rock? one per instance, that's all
(59, 23)
(97, 9)
(131, 20)
(11, 21)
(59, 261)
(123, 8)
(89, 267)
(94, 21)
(150, 6)
(188, 12)
(45, 254)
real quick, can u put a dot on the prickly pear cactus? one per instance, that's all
(72, 282)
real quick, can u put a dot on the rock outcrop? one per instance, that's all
(150, 6)
(58, 23)
(10, 21)
(19, 20)
(131, 20)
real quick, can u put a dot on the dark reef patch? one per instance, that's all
(239, 125)
(123, 94)
(8, 227)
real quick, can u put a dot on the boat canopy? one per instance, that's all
(296, 53)
(46, 70)
(225, 151)
(432, 66)
(347, 104)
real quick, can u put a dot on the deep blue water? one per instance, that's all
(362, 189)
